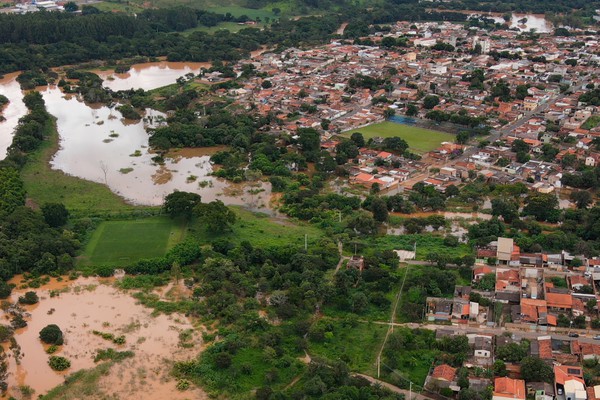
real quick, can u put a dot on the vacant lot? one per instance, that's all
(420, 140)
(260, 230)
(119, 243)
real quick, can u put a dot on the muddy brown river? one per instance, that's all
(10, 88)
(90, 304)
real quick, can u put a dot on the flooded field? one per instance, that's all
(98, 145)
(86, 305)
(10, 88)
(150, 75)
(523, 22)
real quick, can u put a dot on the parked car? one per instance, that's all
(597, 337)
(573, 334)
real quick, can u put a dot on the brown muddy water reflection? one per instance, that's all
(10, 88)
(86, 305)
(150, 75)
(96, 144)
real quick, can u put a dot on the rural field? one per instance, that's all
(420, 140)
(260, 230)
(117, 243)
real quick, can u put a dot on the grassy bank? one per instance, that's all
(45, 185)
(81, 384)
(419, 139)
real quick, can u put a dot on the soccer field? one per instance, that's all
(118, 243)
(420, 140)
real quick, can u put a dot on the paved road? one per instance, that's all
(524, 334)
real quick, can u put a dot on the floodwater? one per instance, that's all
(98, 145)
(86, 305)
(524, 22)
(150, 75)
(10, 88)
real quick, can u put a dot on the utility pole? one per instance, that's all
(378, 365)
(305, 241)
(409, 390)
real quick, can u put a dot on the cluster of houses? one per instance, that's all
(566, 358)
(533, 288)
(318, 88)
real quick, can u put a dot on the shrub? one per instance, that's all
(58, 363)
(52, 334)
(29, 298)
(5, 290)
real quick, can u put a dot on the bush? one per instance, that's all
(29, 298)
(52, 334)
(58, 363)
(5, 290)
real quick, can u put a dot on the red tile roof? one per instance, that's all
(444, 372)
(507, 387)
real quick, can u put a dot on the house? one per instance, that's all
(509, 389)
(444, 372)
(356, 262)
(483, 346)
(505, 250)
(568, 380)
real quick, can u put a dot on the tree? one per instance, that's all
(29, 298)
(55, 214)
(513, 352)
(379, 209)
(51, 334)
(507, 209)
(181, 204)
(216, 215)
(71, 6)
(500, 368)
(5, 290)
(533, 369)
(411, 110)
(542, 206)
(309, 140)
(487, 282)
(582, 198)
(462, 137)
(12, 190)
(430, 101)
(358, 139)
(590, 305)
(266, 84)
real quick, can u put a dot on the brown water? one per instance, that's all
(86, 305)
(150, 75)
(534, 21)
(87, 151)
(10, 88)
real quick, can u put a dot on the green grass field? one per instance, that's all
(358, 343)
(118, 243)
(261, 230)
(420, 140)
